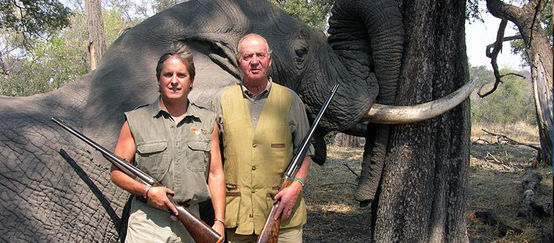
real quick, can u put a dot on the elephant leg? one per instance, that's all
(375, 150)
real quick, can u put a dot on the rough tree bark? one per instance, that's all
(423, 189)
(537, 46)
(97, 43)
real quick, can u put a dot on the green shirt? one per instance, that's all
(177, 155)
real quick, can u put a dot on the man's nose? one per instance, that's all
(255, 59)
(174, 79)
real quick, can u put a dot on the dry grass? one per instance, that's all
(521, 132)
(494, 187)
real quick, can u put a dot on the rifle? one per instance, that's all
(200, 231)
(270, 231)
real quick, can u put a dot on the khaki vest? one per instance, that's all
(256, 160)
(176, 156)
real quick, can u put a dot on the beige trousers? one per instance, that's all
(290, 235)
(149, 224)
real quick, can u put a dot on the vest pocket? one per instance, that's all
(200, 152)
(151, 158)
(232, 202)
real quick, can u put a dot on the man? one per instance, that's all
(261, 122)
(174, 141)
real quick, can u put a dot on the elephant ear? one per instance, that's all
(223, 55)
(216, 67)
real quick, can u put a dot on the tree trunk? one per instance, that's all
(423, 189)
(97, 43)
(527, 19)
(345, 140)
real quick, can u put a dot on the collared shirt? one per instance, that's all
(175, 154)
(298, 121)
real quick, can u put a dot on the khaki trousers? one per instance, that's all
(290, 235)
(149, 224)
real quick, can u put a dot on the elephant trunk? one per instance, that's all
(376, 26)
(366, 49)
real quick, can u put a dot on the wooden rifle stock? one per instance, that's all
(270, 231)
(198, 229)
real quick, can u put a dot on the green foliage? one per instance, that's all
(511, 102)
(49, 64)
(33, 18)
(313, 13)
(160, 5)
(473, 12)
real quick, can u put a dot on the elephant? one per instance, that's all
(55, 188)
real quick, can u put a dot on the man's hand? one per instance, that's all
(288, 197)
(157, 195)
(219, 228)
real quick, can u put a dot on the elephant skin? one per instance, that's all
(54, 188)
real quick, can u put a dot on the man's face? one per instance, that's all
(254, 59)
(174, 80)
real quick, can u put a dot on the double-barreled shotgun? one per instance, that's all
(270, 231)
(198, 229)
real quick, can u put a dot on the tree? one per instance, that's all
(33, 18)
(538, 48)
(423, 189)
(97, 42)
(518, 46)
(511, 103)
(313, 13)
(51, 63)
(160, 5)
(22, 22)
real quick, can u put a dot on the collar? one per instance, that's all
(156, 109)
(249, 94)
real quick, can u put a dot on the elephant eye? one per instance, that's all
(301, 52)
(300, 46)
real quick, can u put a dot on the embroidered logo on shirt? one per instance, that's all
(198, 131)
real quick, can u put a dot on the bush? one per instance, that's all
(512, 102)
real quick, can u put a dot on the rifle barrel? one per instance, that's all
(299, 157)
(121, 164)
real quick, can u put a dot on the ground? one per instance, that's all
(494, 189)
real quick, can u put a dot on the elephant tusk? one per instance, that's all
(390, 114)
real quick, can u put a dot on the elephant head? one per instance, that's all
(53, 186)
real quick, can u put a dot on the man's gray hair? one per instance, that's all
(237, 55)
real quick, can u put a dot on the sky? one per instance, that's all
(479, 35)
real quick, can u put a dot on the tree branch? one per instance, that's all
(511, 140)
(502, 10)
(353, 172)
(493, 55)
(538, 7)
(338, 183)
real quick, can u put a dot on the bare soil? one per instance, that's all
(494, 188)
